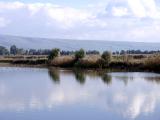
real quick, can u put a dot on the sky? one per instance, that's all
(114, 20)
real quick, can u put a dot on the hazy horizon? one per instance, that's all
(52, 38)
(72, 44)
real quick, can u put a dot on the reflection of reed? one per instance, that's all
(153, 79)
(54, 74)
(125, 79)
(107, 79)
(80, 76)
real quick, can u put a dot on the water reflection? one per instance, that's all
(125, 79)
(79, 76)
(153, 79)
(79, 93)
(107, 78)
(54, 74)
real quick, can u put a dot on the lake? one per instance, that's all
(56, 94)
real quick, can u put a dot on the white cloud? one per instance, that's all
(137, 8)
(119, 11)
(151, 8)
(136, 106)
(35, 8)
(143, 8)
(11, 5)
(109, 20)
(66, 16)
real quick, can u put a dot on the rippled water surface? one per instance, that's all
(51, 94)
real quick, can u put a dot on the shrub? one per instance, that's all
(153, 63)
(13, 50)
(54, 53)
(63, 61)
(85, 64)
(101, 63)
(107, 57)
(79, 54)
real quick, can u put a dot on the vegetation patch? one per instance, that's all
(129, 60)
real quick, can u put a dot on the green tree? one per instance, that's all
(54, 53)
(13, 50)
(101, 63)
(107, 57)
(3, 51)
(80, 54)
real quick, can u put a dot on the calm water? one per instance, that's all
(49, 94)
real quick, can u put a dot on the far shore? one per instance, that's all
(22, 65)
(132, 63)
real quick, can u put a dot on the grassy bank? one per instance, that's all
(23, 60)
(126, 62)
(123, 62)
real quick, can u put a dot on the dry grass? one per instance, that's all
(63, 61)
(26, 59)
(70, 60)
(149, 62)
(91, 59)
(153, 63)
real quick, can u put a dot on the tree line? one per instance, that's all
(14, 50)
(122, 52)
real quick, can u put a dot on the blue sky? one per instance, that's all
(115, 20)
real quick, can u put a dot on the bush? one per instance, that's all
(101, 63)
(85, 64)
(107, 57)
(54, 53)
(153, 63)
(79, 54)
(13, 50)
(63, 61)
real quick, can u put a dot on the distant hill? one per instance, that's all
(66, 44)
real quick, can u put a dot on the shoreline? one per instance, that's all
(88, 62)
(111, 69)
(23, 65)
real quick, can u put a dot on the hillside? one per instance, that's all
(66, 44)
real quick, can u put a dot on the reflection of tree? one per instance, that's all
(125, 78)
(80, 76)
(107, 79)
(155, 79)
(54, 74)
